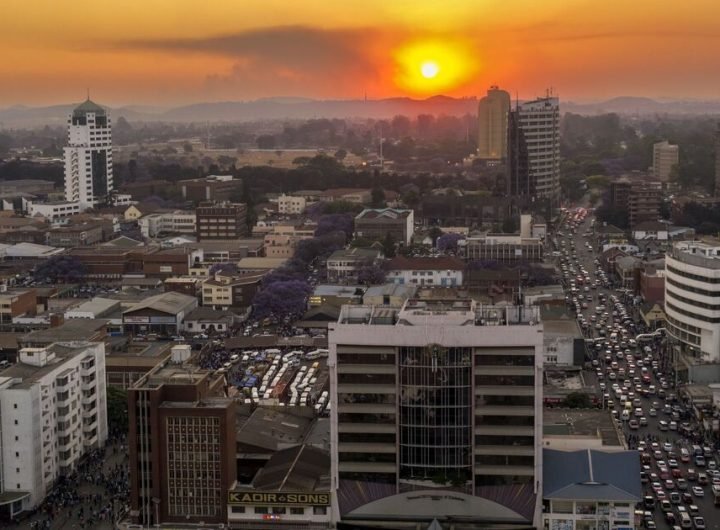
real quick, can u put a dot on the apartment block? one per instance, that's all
(221, 221)
(53, 411)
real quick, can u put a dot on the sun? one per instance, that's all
(429, 69)
(434, 66)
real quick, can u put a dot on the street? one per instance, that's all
(635, 382)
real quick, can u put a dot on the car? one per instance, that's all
(698, 491)
(699, 523)
(669, 484)
(667, 447)
(694, 510)
(665, 506)
(687, 499)
(652, 413)
(672, 463)
(682, 484)
(675, 497)
(660, 495)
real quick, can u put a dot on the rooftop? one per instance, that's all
(170, 302)
(88, 106)
(581, 422)
(276, 429)
(27, 374)
(416, 264)
(590, 474)
(354, 253)
(301, 468)
(383, 213)
(71, 330)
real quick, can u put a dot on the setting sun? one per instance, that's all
(433, 66)
(429, 69)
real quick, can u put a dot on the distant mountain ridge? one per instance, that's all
(279, 108)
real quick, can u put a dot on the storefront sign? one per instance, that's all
(136, 320)
(256, 497)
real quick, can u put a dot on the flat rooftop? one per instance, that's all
(275, 429)
(581, 422)
(28, 374)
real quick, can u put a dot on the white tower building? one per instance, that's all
(539, 121)
(88, 156)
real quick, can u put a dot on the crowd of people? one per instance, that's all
(94, 496)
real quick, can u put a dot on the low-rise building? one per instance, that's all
(175, 222)
(441, 271)
(377, 224)
(211, 188)
(343, 265)
(208, 320)
(590, 489)
(77, 235)
(292, 205)
(389, 294)
(563, 342)
(505, 248)
(53, 411)
(650, 230)
(625, 270)
(168, 262)
(221, 221)
(16, 302)
(93, 309)
(225, 291)
(353, 195)
(53, 209)
(162, 314)
(279, 246)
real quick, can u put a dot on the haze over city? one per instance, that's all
(168, 52)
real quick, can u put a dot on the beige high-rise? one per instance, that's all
(665, 157)
(492, 124)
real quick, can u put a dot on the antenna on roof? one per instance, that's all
(88, 94)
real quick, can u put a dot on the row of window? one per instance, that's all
(278, 510)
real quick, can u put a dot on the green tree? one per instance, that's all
(389, 246)
(117, 410)
(187, 147)
(377, 197)
(577, 400)
(340, 154)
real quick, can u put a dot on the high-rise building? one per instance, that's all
(717, 161)
(436, 412)
(692, 282)
(182, 446)
(493, 112)
(88, 156)
(52, 412)
(534, 140)
(665, 157)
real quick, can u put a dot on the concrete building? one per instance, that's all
(534, 148)
(353, 195)
(717, 161)
(77, 235)
(53, 411)
(563, 342)
(643, 202)
(692, 287)
(291, 205)
(665, 157)
(217, 188)
(93, 309)
(505, 248)
(493, 111)
(651, 230)
(182, 447)
(162, 314)
(206, 319)
(226, 291)
(16, 302)
(343, 265)
(88, 156)
(439, 272)
(175, 222)
(221, 221)
(389, 294)
(377, 224)
(436, 413)
(54, 209)
(590, 489)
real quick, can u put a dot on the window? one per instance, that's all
(297, 511)
(261, 509)
(319, 510)
(238, 509)
(279, 510)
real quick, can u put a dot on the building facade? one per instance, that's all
(493, 111)
(692, 294)
(88, 156)
(503, 248)
(439, 400)
(52, 412)
(534, 141)
(176, 222)
(665, 157)
(182, 447)
(291, 205)
(221, 221)
(211, 188)
(438, 272)
(378, 224)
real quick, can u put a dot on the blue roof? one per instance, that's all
(591, 475)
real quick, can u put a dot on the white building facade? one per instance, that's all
(53, 410)
(88, 156)
(288, 204)
(692, 297)
(177, 222)
(53, 210)
(539, 121)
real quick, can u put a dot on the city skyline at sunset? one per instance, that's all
(174, 52)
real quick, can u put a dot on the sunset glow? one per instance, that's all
(175, 51)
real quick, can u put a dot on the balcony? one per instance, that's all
(89, 384)
(89, 400)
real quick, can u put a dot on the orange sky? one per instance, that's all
(168, 52)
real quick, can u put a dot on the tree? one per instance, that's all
(340, 154)
(377, 197)
(434, 234)
(282, 299)
(448, 242)
(389, 245)
(187, 147)
(265, 141)
(60, 269)
(371, 275)
(224, 268)
(117, 410)
(577, 400)
(329, 223)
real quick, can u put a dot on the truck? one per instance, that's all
(716, 493)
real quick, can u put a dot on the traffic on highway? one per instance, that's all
(635, 381)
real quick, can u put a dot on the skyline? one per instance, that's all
(174, 52)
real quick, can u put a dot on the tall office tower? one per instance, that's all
(717, 161)
(493, 112)
(665, 157)
(88, 156)
(535, 128)
(518, 172)
(53, 411)
(436, 413)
